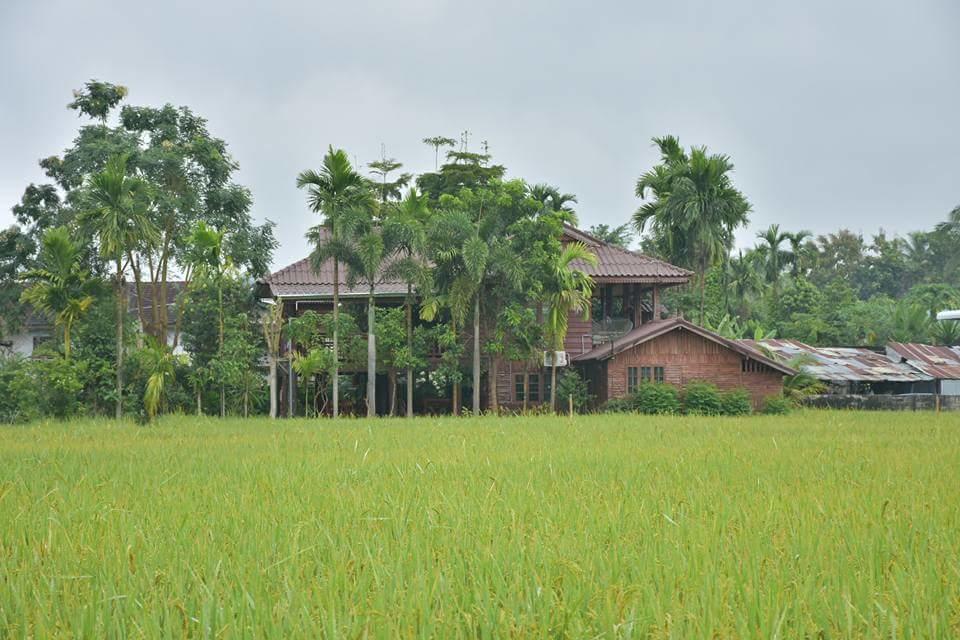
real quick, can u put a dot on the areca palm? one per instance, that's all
(774, 258)
(406, 227)
(366, 252)
(118, 218)
(570, 292)
(550, 198)
(695, 207)
(60, 286)
(206, 256)
(332, 191)
(799, 250)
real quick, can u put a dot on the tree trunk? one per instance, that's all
(336, 333)
(526, 389)
(409, 351)
(703, 288)
(476, 356)
(272, 377)
(223, 390)
(371, 357)
(121, 297)
(494, 401)
(392, 375)
(66, 339)
(553, 383)
(199, 401)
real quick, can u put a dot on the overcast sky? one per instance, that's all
(834, 113)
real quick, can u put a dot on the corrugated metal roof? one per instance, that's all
(942, 363)
(650, 330)
(615, 263)
(842, 364)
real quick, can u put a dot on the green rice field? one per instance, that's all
(817, 525)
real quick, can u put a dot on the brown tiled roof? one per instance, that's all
(299, 280)
(942, 363)
(615, 264)
(657, 328)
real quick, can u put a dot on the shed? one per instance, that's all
(942, 364)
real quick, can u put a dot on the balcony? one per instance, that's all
(609, 329)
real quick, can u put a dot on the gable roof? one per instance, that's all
(942, 363)
(842, 364)
(616, 264)
(651, 330)
(300, 280)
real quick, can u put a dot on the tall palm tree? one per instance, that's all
(695, 207)
(118, 218)
(331, 191)
(799, 249)
(436, 142)
(60, 286)
(406, 227)
(774, 258)
(206, 256)
(364, 248)
(272, 325)
(570, 292)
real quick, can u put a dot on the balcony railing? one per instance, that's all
(610, 329)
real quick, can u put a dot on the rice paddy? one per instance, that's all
(818, 524)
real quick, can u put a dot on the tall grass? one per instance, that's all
(819, 525)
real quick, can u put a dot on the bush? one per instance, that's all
(656, 398)
(736, 403)
(571, 384)
(702, 399)
(618, 405)
(777, 405)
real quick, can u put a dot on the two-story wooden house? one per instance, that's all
(628, 340)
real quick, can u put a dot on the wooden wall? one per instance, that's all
(685, 357)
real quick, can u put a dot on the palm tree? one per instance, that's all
(436, 142)
(695, 206)
(406, 227)
(367, 254)
(206, 256)
(118, 219)
(774, 257)
(60, 286)
(332, 190)
(570, 292)
(799, 249)
(158, 362)
(551, 199)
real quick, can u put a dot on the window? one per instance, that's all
(534, 384)
(646, 374)
(752, 366)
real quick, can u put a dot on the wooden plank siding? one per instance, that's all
(685, 357)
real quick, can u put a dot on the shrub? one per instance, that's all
(777, 405)
(736, 403)
(617, 405)
(571, 384)
(702, 399)
(656, 398)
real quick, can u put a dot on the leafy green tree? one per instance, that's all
(619, 236)
(569, 292)
(118, 218)
(60, 286)
(694, 207)
(389, 189)
(333, 191)
(462, 170)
